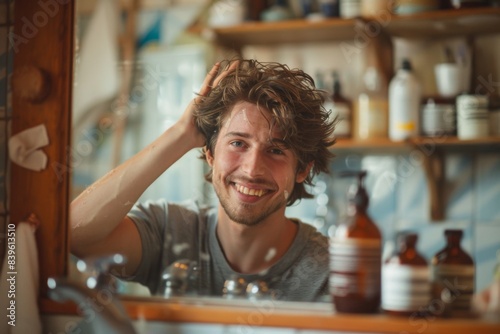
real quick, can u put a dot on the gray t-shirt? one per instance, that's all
(170, 232)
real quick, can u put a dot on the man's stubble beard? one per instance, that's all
(246, 218)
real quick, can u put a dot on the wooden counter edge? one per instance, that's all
(264, 314)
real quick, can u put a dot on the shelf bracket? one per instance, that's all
(435, 174)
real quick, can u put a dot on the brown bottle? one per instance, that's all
(341, 109)
(355, 256)
(405, 280)
(453, 276)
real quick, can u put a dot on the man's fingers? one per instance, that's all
(228, 70)
(212, 79)
(207, 83)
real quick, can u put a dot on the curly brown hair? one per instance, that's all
(296, 107)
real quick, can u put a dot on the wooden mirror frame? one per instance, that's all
(42, 44)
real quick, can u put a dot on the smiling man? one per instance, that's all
(264, 135)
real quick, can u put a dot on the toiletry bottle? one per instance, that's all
(341, 108)
(327, 97)
(452, 275)
(370, 108)
(405, 280)
(350, 8)
(355, 256)
(404, 103)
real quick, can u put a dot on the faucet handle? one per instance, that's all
(234, 287)
(98, 270)
(179, 277)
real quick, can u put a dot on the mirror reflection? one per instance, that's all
(198, 174)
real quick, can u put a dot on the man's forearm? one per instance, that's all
(98, 210)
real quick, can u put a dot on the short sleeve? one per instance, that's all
(150, 219)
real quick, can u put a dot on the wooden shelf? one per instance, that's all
(292, 31)
(382, 144)
(442, 23)
(447, 23)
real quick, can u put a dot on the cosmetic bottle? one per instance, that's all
(341, 109)
(452, 276)
(355, 256)
(404, 103)
(406, 280)
(371, 107)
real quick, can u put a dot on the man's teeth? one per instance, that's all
(251, 192)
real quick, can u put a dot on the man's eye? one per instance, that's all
(276, 151)
(237, 143)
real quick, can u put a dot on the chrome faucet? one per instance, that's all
(98, 302)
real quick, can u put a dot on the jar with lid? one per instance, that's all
(438, 117)
(452, 275)
(406, 288)
(355, 256)
(472, 116)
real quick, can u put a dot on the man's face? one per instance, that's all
(253, 173)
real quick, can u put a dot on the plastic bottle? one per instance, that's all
(341, 108)
(404, 103)
(355, 256)
(406, 287)
(371, 110)
(350, 8)
(452, 276)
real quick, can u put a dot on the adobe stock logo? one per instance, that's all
(31, 27)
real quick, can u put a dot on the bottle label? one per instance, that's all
(405, 288)
(372, 117)
(456, 284)
(355, 266)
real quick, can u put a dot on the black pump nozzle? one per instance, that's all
(357, 194)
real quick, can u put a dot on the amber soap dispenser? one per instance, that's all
(355, 256)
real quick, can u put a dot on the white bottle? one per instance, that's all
(404, 103)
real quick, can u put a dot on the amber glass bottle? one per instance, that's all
(355, 256)
(453, 276)
(405, 279)
(341, 109)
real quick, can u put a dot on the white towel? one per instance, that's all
(19, 283)
(24, 148)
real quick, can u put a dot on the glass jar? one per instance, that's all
(438, 117)
(406, 288)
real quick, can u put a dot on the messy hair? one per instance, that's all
(295, 105)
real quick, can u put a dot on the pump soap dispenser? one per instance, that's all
(355, 256)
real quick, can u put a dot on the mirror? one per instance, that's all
(149, 69)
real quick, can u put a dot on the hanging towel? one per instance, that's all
(19, 282)
(97, 67)
(24, 148)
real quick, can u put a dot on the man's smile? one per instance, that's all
(249, 191)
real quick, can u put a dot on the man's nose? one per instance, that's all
(253, 163)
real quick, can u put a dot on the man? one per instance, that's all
(265, 135)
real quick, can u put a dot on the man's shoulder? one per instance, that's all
(313, 243)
